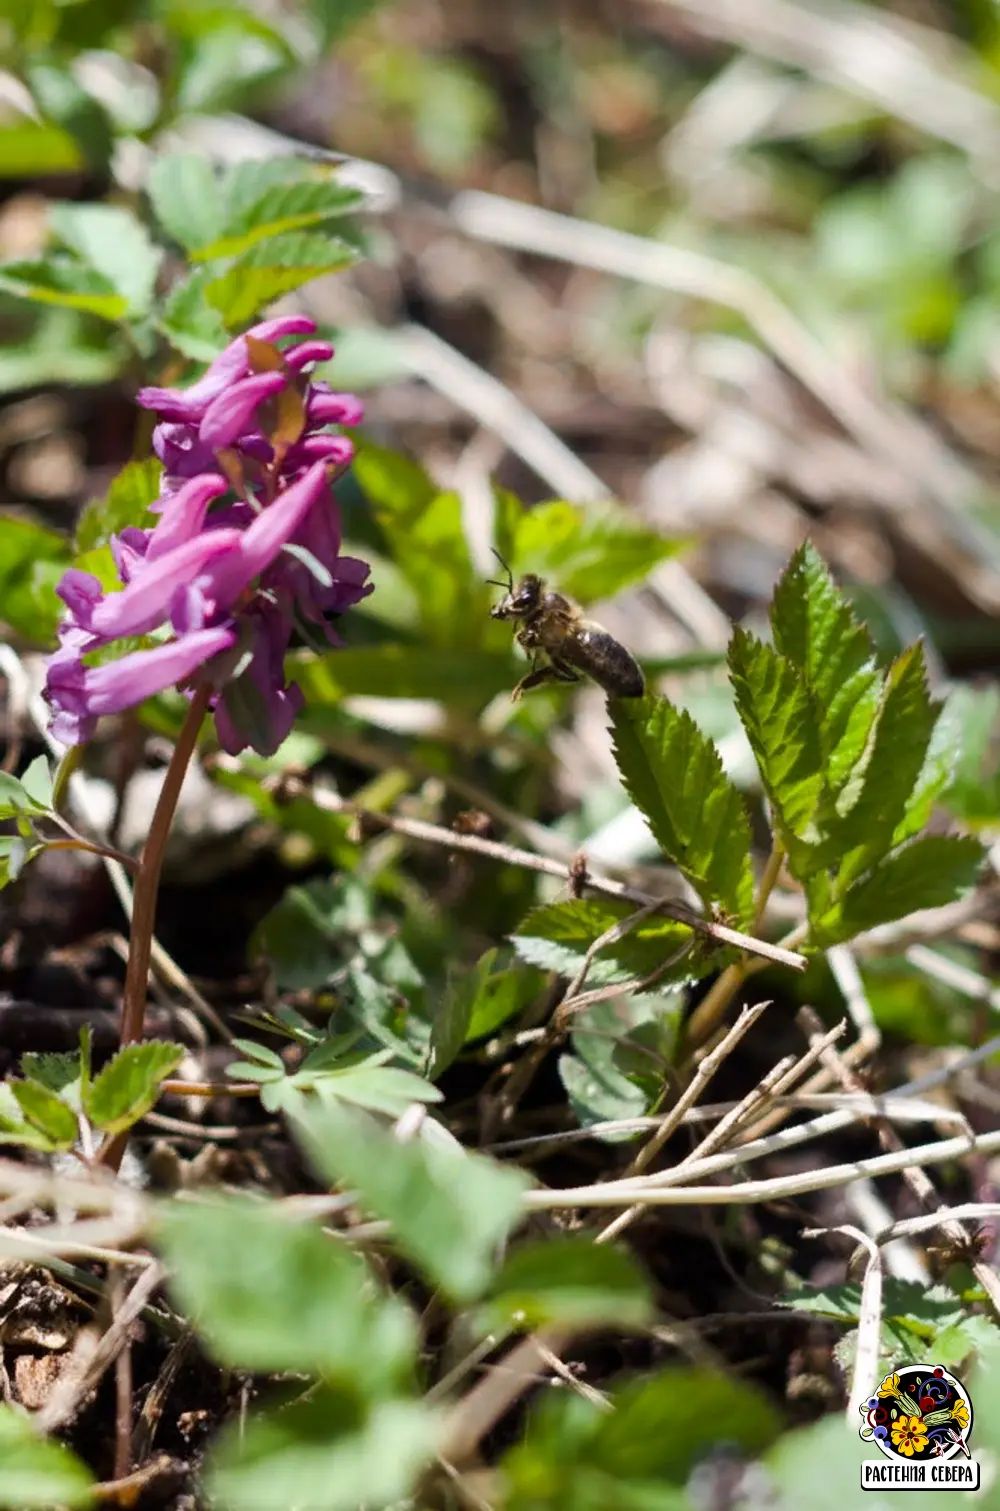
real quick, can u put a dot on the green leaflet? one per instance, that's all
(779, 717)
(674, 775)
(815, 630)
(926, 873)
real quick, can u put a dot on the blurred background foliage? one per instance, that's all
(733, 263)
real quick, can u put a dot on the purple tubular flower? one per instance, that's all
(82, 693)
(182, 515)
(308, 352)
(145, 603)
(326, 408)
(337, 450)
(214, 573)
(189, 404)
(229, 415)
(260, 542)
(259, 701)
(129, 551)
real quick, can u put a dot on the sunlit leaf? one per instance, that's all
(299, 205)
(324, 1453)
(126, 502)
(46, 1113)
(32, 560)
(59, 279)
(567, 1280)
(815, 629)
(926, 873)
(674, 775)
(448, 1211)
(270, 1292)
(37, 1473)
(186, 198)
(558, 936)
(272, 268)
(127, 1087)
(115, 245)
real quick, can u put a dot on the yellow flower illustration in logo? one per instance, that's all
(909, 1436)
(889, 1386)
(960, 1415)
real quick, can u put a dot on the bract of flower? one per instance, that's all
(230, 581)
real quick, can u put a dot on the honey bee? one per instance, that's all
(550, 624)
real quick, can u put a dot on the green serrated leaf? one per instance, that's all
(673, 774)
(569, 1281)
(46, 1113)
(815, 629)
(186, 198)
(973, 793)
(188, 320)
(271, 269)
(37, 1473)
(247, 182)
(114, 244)
(56, 1071)
(269, 1292)
(778, 715)
(62, 280)
(126, 502)
(449, 1211)
(323, 1453)
(558, 936)
(127, 1087)
(926, 873)
(297, 206)
(880, 791)
(935, 774)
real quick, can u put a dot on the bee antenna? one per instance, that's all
(509, 584)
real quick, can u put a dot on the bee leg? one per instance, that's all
(556, 672)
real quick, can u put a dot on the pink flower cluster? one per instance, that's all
(245, 552)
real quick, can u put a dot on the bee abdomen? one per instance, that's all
(607, 661)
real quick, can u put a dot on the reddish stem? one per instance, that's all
(147, 887)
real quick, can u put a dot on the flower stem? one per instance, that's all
(147, 882)
(147, 887)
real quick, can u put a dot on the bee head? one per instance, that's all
(520, 599)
